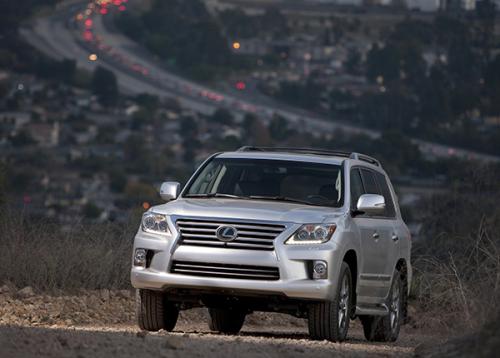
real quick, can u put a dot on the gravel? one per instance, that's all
(101, 324)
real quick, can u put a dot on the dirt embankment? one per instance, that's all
(101, 324)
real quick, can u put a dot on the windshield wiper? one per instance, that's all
(254, 197)
(281, 198)
(214, 195)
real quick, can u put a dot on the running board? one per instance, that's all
(372, 310)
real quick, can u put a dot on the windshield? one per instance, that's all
(262, 179)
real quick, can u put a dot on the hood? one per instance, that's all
(263, 210)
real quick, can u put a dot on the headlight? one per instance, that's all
(156, 223)
(312, 234)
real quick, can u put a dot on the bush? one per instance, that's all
(460, 291)
(457, 262)
(40, 255)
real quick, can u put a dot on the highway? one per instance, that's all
(62, 35)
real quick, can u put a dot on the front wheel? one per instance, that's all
(154, 312)
(386, 328)
(330, 320)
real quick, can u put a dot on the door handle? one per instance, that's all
(394, 237)
(375, 235)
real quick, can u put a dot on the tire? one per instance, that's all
(154, 312)
(330, 320)
(226, 321)
(386, 328)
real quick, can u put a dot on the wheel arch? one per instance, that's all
(351, 258)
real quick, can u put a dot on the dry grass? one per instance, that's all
(460, 291)
(88, 256)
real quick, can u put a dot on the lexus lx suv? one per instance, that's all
(313, 233)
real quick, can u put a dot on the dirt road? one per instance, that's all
(101, 325)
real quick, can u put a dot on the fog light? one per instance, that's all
(140, 257)
(320, 270)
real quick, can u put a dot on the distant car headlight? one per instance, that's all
(155, 223)
(312, 234)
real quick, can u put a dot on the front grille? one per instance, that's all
(250, 236)
(245, 272)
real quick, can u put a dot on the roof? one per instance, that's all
(300, 154)
(297, 157)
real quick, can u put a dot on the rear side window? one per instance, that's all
(356, 187)
(390, 211)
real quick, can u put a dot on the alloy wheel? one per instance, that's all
(394, 307)
(344, 304)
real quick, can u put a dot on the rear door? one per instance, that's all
(389, 217)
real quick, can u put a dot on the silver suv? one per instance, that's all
(313, 233)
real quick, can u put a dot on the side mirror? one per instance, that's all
(170, 190)
(371, 203)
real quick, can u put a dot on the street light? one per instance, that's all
(92, 57)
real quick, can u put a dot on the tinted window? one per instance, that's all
(356, 187)
(386, 192)
(369, 182)
(311, 183)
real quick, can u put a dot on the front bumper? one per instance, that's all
(293, 262)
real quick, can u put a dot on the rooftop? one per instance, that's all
(298, 154)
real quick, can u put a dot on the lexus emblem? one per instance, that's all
(226, 233)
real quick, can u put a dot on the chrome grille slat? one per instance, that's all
(196, 229)
(235, 244)
(251, 236)
(225, 270)
(254, 239)
(203, 243)
(184, 234)
(215, 268)
(255, 233)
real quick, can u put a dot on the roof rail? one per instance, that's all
(336, 153)
(365, 158)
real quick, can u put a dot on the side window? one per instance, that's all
(356, 187)
(371, 186)
(369, 182)
(390, 211)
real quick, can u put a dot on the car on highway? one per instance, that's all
(317, 234)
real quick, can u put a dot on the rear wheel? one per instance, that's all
(227, 321)
(330, 320)
(154, 312)
(386, 328)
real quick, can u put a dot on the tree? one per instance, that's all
(396, 61)
(3, 183)
(353, 62)
(305, 95)
(222, 116)
(237, 23)
(138, 158)
(138, 192)
(105, 86)
(492, 85)
(486, 13)
(274, 21)
(91, 211)
(148, 101)
(117, 180)
(279, 128)
(256, 133)
(183, 33)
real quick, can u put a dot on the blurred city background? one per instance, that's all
(100, 101)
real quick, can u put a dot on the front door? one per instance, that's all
(377, 247)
